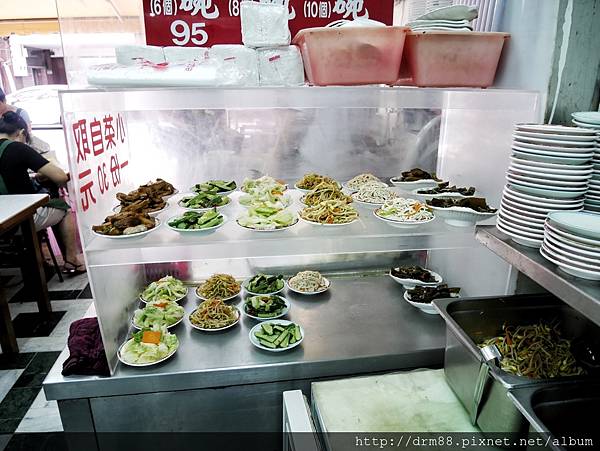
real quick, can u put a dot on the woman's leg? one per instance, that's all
(68, 233)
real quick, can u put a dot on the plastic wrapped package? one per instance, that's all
(265, 24)
(194, 74)
(130, 55)
(238, 65)
(280, 66)
(176, 54)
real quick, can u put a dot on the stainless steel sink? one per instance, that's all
(565, 414)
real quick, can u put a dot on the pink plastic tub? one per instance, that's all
(452, 59)
(351, 55)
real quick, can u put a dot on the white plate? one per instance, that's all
(562, 244)
(187, 290)
(201, 210)
(545, 184)
(302, 190)
(519, 238)
(576, 238)
(555, 136)
(592, 202)
(588, 117)
(568, 267)
(554, 150)
(208, 229)
(269, 230)
(134, 235)
(461, 216)
(144, 364)
(550, 174)
(511, 224)
(172, 194)
(417, 184)
(370, 205)
(441, 195)
(206, 299)
(533, 223)
(556, 129)
(521, 209)
(524, 231)
(153, 214)
(589, 195)
(555, 144)
(578, 223)
(541, 209)
(284, 312)
(550, 159)
(245, 285)
(409, 284)
(423, 306)
(402, 224)
(552, 166)
(540, 201)
(220, 328)
(558, 169)
(328, 225)
(310, 293)
(559, 194)
(586, 125)
(552, 153)
(168, 327)
(223, 194)
(280, 322)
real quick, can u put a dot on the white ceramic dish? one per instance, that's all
(568, 267)
(532, 223)
(592, 202)
(551, 193)
(559, 169)
(369, 205)
(553, 144)
(225, 299)
(319, 224)
(551, 159)
(552, 153)
(461, 216)
(544, 183)
(140, 365)
(310, 293)
(187, 290)
(556, 129)
(196, 231)
(543, 173)
(520, 238)
(588, 117)
(539, 200)
(423, 306)
(168, 327)
(402, 224)
(172, 194)
(516, 209)
(549, 165)
(153, 214)
(224, 193)
(279, 322)
(418, 184)
(409, 284)
(578, 223)
(303, 190)
(585, 125)
(554, 136)
(201, 210)
(438, 196)
(523, 231)
(280, 315)
(134, 235)
(203, 329)
(511, 224)
(574, 258)
(280, 229)
(582, 241)
(541, 210)
(571, 247)
(245, 287)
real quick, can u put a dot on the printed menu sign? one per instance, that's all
(204, 23)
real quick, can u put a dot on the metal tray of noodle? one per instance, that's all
(471, 323)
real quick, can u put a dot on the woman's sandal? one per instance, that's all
(72, 269)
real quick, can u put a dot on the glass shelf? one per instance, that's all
(369, 234)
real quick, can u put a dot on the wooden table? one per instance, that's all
(18, 210)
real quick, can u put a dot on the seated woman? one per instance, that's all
(16, 158)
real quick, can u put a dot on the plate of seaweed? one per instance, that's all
(462, 212)
(415, 179)
(444, 190)
(421, 297)
(412, 276)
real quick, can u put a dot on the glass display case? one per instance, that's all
(119, 139)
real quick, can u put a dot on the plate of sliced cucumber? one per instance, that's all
(276, 335)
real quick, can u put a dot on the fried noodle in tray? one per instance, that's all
(330, 212)
(214, 315)
(322, 192)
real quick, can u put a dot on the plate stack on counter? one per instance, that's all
(591, 120)
(550, 170)
(572, 241)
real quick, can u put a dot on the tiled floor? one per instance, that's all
(27, 420)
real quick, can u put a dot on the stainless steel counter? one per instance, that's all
(583, 295)
(362, 325)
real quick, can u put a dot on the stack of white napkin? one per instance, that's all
(450, 18)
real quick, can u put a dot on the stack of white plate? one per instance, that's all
(549, 171)
(572, 241)
(591, 121)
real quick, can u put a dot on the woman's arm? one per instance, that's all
(54, 173)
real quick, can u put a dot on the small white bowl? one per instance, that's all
(417, 184)
(309, 293)
(423, 306)
(461, 216)
(402, 224)
(439, 196)
(409, 284)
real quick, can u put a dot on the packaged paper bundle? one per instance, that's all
(130, 55)
(280, 66)
(265, 23)
(176, 54)
(238, 65)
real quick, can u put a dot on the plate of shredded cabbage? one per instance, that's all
(148, 347)
(158, 314)
(262, 183)
(266, 198)
(404, 212)
(167, 288)
(267, 220)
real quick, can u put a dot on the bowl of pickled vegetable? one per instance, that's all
(192, 221)
(264, 284)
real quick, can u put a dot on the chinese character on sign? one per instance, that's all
(323, 10)
(96, 135)
(81, 139)
(115, 170)
(86, 190)
(200, 6)
(350, 7)
(109, 132)
(120, 128)
(168, 7)
(102, 179)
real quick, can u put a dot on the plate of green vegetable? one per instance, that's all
(265, 307)
(264, 284)
(167, 288)
(193, 221)
(158, 314)
(276, 336)
(203, 201)
(221, 187)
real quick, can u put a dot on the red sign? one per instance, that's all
(205, 23)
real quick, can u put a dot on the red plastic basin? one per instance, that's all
(452, 59)
(351, 55)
